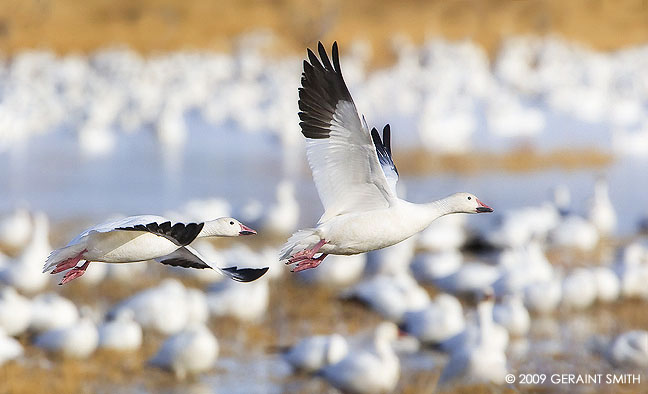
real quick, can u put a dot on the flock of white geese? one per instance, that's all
(356, 177)
(440, 92)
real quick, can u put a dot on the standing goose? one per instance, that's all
(146, 237)
(354, 174)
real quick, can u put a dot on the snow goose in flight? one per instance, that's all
(145, 237)
(354, 174)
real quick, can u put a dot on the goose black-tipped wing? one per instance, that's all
(322, 89)
(180, 234)
(340, 152)
(383, 150)
(183, 257)
(188, 257)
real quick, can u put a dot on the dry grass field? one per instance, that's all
(163, 25)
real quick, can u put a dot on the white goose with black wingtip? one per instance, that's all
(146, 237)
(354, 174)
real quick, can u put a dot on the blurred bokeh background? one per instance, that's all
(188, 109)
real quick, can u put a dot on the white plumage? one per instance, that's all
(391, 296)
(314, 353)
(189, 352)
(76, 341)
(15, 312)
(51, 311)
(10, 348)
(354, 174)
(121, 334)
(145, 237)
(371, 369)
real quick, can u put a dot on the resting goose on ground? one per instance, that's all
(146, 237)
(371, 369)
(189, 352)
(314, 353)
(354, 174)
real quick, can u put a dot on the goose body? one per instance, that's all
(15, 230)
(601, 211)
(247, 303)
(15, 312)
(391, 296)
(438, 322)
(23, 272)
(121, 334)
(76, 341)
(354, 174)
(189, 352)
(50, 311)
(629, 349)
(146, 237)
(314, 353)
(10, 348)
(164, 308)
(373, 369)
(481, 358)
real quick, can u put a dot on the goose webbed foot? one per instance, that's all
(309, 263)
(74, 273)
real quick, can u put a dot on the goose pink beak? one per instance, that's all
(483, 208)
(245, 230)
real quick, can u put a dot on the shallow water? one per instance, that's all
(50, 174)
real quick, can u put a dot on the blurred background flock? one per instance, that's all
(188, 109)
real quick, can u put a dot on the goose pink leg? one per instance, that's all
(309, 263)
(74, 273)
(305, 260)
(306, 254)
(69, 263)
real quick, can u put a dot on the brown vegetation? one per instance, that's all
(163, 25)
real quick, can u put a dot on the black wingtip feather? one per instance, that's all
(336, 57)
(180, 262)
(322, 88)
(245, 274)
(180, 234)
(383, 147)
(387, 138)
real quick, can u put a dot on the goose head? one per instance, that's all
(230, 227)
(467, 203)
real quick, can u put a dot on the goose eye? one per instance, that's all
(470, 198)
(232, 223)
